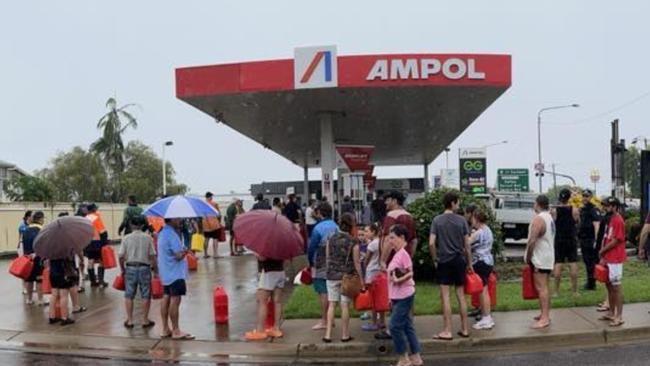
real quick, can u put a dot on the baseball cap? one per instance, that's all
(612, 201)
(587, 193)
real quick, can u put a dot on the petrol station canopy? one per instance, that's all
(408, 106)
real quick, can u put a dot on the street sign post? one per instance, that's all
(513, 180)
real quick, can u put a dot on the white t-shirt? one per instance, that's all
(373, 264)
(309, 218)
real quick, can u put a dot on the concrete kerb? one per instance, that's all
(167, 350)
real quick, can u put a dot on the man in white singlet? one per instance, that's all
(540, 255)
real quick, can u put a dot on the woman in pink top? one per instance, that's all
(401, 289)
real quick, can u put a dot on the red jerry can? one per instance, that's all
(601, 273)
(528, 290)
(192, 263)
(492, 289)
(269, 322)
(380, 300)
(108, 257)
(118, 282)
(473, 283)
(156, 288)
(46, 285)
(220, 305)
(21, 267)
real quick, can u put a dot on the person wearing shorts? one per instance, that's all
(172, 267)
(137, 260)
(482, 240)
(566, 220)
(449, 244)
(63, 277)
(316, 255)
(540, 255)
(269, 288)
(343, 258)
(612, 254)
(34, 279)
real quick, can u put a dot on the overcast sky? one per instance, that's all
(61, 60)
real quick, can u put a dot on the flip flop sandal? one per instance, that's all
(538, 327)
(327, 340)
(80, 310)
(128, 326)
(148, 324)
(163, 336)
(437, 337)
(346, 340)
(601, 309)
(606, 318)
(615, 324)
(184, 337)
(463, 335)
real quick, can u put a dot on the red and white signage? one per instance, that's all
(353, 157)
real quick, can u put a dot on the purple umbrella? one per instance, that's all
(268, 234)
(63, 237)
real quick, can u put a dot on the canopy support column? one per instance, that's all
(327, 161)
(426, 178)
(305, 186)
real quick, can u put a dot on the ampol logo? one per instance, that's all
(315, 67)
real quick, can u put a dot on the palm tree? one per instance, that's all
(110, 145)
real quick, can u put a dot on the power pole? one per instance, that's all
(617, 147)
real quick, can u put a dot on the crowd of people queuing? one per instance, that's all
(460, 242)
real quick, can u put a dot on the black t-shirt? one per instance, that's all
(261, 205)
(270, 265)
(565, 225)
(588, 215)
(29, 236)
(292, 212)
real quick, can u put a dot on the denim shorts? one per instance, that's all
(137, 277)
(320, 286)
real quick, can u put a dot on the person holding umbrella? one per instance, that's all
(172, 265)
(58, 243)
(273, 239)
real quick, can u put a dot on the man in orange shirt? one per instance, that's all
(94, 251)
(211, 228)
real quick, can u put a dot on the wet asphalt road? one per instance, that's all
(629, 355)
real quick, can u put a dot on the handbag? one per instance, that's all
(351, 284)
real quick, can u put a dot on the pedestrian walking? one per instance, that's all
(342, 253)
(137, 262)
(540, 255)
(449, 246)
(35, 277)
(172, 267)
(94, 251)
(588, 228)
(613, 255)
(316, 254)
(401, 289)
(211, 228)
(566, 247)
(132, 210)
(481, 241)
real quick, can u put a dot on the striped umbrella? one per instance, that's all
(180, 207)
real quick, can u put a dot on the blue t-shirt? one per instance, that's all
(317, 244)
(170, 269)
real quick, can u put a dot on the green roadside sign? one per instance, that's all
(513, 180)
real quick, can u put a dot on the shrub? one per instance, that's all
(424, 209)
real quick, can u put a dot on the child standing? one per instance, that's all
(373, 268)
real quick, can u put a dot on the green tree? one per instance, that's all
(142, 174)
(424, 209)
(28, 189)
(633, 171)
(110, 145)
(77, 175)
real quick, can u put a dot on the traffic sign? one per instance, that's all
(513, 180)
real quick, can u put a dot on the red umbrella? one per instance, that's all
(268, 234)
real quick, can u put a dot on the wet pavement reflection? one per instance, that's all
(105, 315)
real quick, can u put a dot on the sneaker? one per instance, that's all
(365, 316)
(485, 324)
(383, 335)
